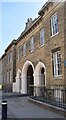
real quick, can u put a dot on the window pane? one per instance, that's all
(24, 49)
(54, 24)
(32, 44)
(19, 53)
(57, 63)
(42, 36)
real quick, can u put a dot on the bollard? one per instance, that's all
(4, 109)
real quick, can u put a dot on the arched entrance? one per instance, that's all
(27, 78)
(30, 80)
(40, 78)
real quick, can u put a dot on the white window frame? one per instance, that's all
(32, 44)
(54, 24)
(42, 37)
(55, 63)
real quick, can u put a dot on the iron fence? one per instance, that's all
(54, 95)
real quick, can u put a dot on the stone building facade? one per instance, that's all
(9, 67)
(40, 52)
(0, 71)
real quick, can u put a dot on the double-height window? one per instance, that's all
(54, 24)
(56, 64)
(42, 37)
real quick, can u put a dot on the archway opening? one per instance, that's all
(40, 79)
(42, 76)
(30, 81)
(27, 70)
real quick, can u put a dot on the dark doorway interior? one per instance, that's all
(30, 81)
(42, 89)
(42, 76)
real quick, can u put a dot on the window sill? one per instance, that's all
(58, 77)
(54, 35)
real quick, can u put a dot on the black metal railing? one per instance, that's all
(53, 95)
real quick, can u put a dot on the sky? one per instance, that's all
(13, 16)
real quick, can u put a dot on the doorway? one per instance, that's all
(30, 81)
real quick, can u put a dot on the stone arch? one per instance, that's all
(18, 73)
(24, 76)
(37, 76)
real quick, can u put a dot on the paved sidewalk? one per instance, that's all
(20, 107)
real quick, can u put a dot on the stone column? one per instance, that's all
(23, 85)
(17, 84)
(36, 84)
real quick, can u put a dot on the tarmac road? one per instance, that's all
(20, 107)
